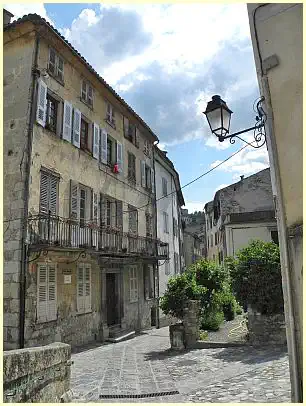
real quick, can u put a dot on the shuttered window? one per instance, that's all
(133, 284)
(166, 222)
(84, 288)
(48, 193)
(133, 219)
(46, 293)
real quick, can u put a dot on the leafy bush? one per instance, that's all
(256, 277)
(212, 320)
(180, 289)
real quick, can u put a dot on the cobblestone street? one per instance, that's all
(144, 370)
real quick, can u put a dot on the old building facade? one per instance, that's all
(169, 199)
(239, 213)
(80, 247)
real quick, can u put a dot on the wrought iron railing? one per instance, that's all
(48, 230)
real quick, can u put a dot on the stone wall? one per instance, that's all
(266, 329)
(40, 374)
(191, 322)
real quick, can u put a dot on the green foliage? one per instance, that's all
(203, 335)
(180, 289)
(212, 320)
(256, 277)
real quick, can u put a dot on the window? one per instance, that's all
(80, 202)
(164, 185)
(175, 227)
(110, 115)
(147, 176)
(84, 135)
(133, 284)
(274, 236)
(149, 228)
(129, 130)
(131, 167)
(48, 193)
(148, 281)
(87, 93)
(133, 219)
(147, 149)
(84, 288)
(51, 113)
(166, 222)
(111, 213)
(83, 199)
(176, 263)
(46, 292)
(55, 65)
(109, 151)
(167, 267)
(216, 238)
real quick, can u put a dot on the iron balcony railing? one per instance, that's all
(54, 231)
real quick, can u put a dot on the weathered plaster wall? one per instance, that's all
(70, 327)
(16, 92)
(39, 374)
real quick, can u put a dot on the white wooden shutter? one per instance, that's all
(152, 180)
(44, 193)
(41, 103)
(52, 302)
(120, 156)
(42, 285)
(104, 146)
(87, 286)
(67, 121)
(74, 200)
(76, 133)
(143, 173)
(95, 143)
(53, 187)
(80, 289)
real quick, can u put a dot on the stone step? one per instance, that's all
(121, 337)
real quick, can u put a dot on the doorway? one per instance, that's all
(113, 299)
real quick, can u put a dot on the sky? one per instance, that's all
(166, 61)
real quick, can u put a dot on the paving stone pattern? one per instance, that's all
(145, 365)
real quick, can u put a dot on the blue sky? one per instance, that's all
(166, 61)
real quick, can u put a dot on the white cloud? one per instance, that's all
(21, 9)
(194, 206)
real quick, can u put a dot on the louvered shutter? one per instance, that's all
(87, 286)
(60, 68)
(74, 200)
(76, 133)
(42, 285)
(80, 289)
(44, 193)
(95, 207)
(67, 121)
(120, 156)
(152, 180)
(52, 302)
(53, 187)
(41, 103)
(119, 215)
(143, 173)
(95, 143)
(52, 61)
(102, 210)
(104, 146)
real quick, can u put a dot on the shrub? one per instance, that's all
(180, 289)
(212, 320)
(256, 277)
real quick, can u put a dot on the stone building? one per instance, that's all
(80, 244)
(169, 199)
(277, 40)
(239, 213)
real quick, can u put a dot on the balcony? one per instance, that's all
(51, 231)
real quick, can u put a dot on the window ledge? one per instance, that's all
(61, 82)
(90, 106)
(113, 125)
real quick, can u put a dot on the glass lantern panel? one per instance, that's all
(214, 119)
(226, 120)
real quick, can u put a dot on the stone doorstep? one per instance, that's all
(123, 337)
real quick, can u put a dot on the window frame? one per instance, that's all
(46, 317)
(166, 222)
(131, 211)
(86, 90)
(87, 147)
(51, 176)
(131, 170)
(110, 115)
(55, 74)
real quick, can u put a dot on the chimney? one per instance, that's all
(241, 177)
(7, 16)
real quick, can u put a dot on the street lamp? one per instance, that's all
(219, 118)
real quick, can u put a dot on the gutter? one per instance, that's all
(296, 375)
(24, 250)
(156, 268)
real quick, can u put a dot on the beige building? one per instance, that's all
(80, 247)
(277, 38)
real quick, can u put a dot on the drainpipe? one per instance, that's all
(296, 375)
(24, 251)
(156, 267)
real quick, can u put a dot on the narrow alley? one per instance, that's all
(144, 370)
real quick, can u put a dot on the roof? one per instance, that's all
(8, 13)
(209, 206)
(37, 19)
(248, 217)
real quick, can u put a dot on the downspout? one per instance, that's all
(296, 375)
(24, 250)
(156, 267)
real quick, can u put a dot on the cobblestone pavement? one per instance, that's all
(144, 365)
